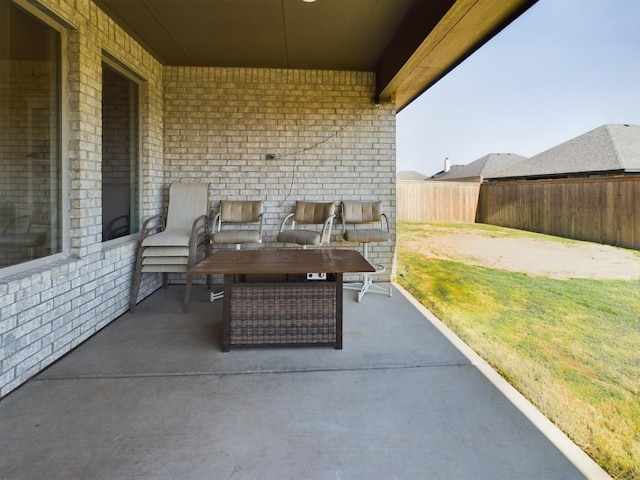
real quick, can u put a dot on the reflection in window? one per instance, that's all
(30, 169)
(119, 154)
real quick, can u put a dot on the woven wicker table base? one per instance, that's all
(283, 314)
(282, 297)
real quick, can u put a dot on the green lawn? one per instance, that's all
(570, 346)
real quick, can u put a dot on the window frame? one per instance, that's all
(62, 28)
(124, 70)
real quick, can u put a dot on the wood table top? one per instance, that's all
(276, 261)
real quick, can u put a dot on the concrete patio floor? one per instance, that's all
(153, 397)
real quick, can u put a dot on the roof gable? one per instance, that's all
(410, 175)
(626, 141)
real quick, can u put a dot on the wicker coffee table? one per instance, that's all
(282, 297)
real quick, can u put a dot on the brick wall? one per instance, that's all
(46, 311)
(331, 142)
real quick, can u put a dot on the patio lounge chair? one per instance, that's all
(369, 225)
(178, 244)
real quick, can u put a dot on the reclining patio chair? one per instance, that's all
(178, 244)
(237, 223)
(369, 225)
(301, 227)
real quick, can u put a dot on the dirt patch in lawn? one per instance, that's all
(530, 254)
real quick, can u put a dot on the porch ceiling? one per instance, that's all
(410, 44)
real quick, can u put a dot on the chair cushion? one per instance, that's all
(173, 238)
(301, 237)
(165, 252)
(366, 236)
(165, 260)
(313, 212)
(236, 236)
(187, 201)
(164, 268)
(362, 212)
(237, 211)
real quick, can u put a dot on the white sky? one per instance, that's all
(563, 68)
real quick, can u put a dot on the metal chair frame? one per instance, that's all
(369, 235)
(308, 213)
(237, 213)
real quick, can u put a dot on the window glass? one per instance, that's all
(30, 160)
(119, 154)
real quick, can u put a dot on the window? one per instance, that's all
(30, 158)
(120, 147)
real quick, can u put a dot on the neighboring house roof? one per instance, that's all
(613, 148)
(486, 166)
(410, 175)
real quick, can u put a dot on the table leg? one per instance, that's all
(226, 314)
(338, 311)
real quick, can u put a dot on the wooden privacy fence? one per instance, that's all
(601, 210)
(436, 201)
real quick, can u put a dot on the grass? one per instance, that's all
(570, 346)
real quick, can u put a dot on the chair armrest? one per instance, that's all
(326, 228)
(199, 235)
(283, 224)
(149, 229)
(200, 227)
(216, 226)
(386, 221)
(260, 224)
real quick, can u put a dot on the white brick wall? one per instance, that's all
(47, 311)
(332, 143)
(198, 124)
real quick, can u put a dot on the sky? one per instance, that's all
(561, 69)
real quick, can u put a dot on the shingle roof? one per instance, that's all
(609, 148)
(486, 166)
(410, 175)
